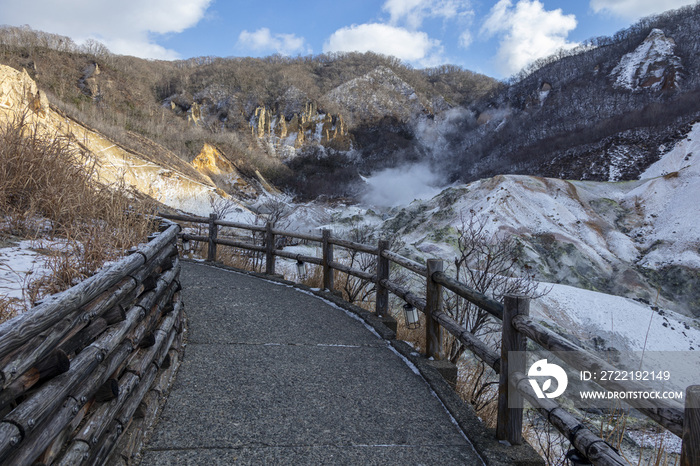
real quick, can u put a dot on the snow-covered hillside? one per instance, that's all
(652, 65)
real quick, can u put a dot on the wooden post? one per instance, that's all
(509, 425)
(382, 301)
(327, 259)
(213, 233)
(269, 250)
(433, 301)
(690, 451)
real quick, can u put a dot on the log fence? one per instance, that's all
(517, 328)
(76, 369)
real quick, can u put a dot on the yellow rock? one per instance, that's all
(212, 162)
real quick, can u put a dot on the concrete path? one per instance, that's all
(272, 375)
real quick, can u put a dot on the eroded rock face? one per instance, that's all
(211, 163)
(18, 91)
(89, 83)
(377, 94)
(309, 126)
(652, 65)
(181, 189)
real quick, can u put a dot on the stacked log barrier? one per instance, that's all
(80, 368)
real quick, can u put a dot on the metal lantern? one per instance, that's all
(576, 458)
(301, 269)
(411, 315)
(185, 245)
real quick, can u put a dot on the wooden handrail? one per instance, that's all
(585, 441)
(406, 295)
(184, 218)
(354, 272)
(304, 236)
(242, 226)
(359, 247)
(298, 257)
(669, 415)
(413, 266)
(489, 305)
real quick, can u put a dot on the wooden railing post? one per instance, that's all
(690, 450)
(509, 425)
(327, 259)
(269, 250)
(382, 300)
(213, 234)
(433, 301)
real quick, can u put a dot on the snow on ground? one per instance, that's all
(20, 264)
(645, 61)
(669, 199)
(663, 339)
(670, 443)
(622, 321)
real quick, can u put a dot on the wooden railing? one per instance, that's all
(86, 363)
(514, 384)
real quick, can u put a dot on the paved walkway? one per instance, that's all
(272, 375)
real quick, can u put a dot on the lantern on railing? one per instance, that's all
(185, 244)
(301, 269)
(411, 315)
(576, 458)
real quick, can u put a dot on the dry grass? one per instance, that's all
(50, 188)
(477, 384)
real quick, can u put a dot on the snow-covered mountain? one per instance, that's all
(629, 238)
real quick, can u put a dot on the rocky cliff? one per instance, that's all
(184, 189)
(652, 65)
(310, 126)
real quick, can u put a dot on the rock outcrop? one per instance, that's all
(652, 65)
(18, 91)
(378, 94)
(89, 82)
(191, 192)
(212, 163)
(309, 126)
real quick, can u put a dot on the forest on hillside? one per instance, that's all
(485, 127)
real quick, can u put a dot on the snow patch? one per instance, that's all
(647, 64)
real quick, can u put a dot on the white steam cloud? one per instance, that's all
(402, 185)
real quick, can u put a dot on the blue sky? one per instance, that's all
(495, 37)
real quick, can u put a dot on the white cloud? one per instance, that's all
(412, 46)
(527, 32)
(465, 39)
(125, 27)
(412, 13)
(634, 9)
(264, 41)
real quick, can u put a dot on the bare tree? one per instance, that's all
(220, 205)
(486, 263)
(275, 211)
(356, 289)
